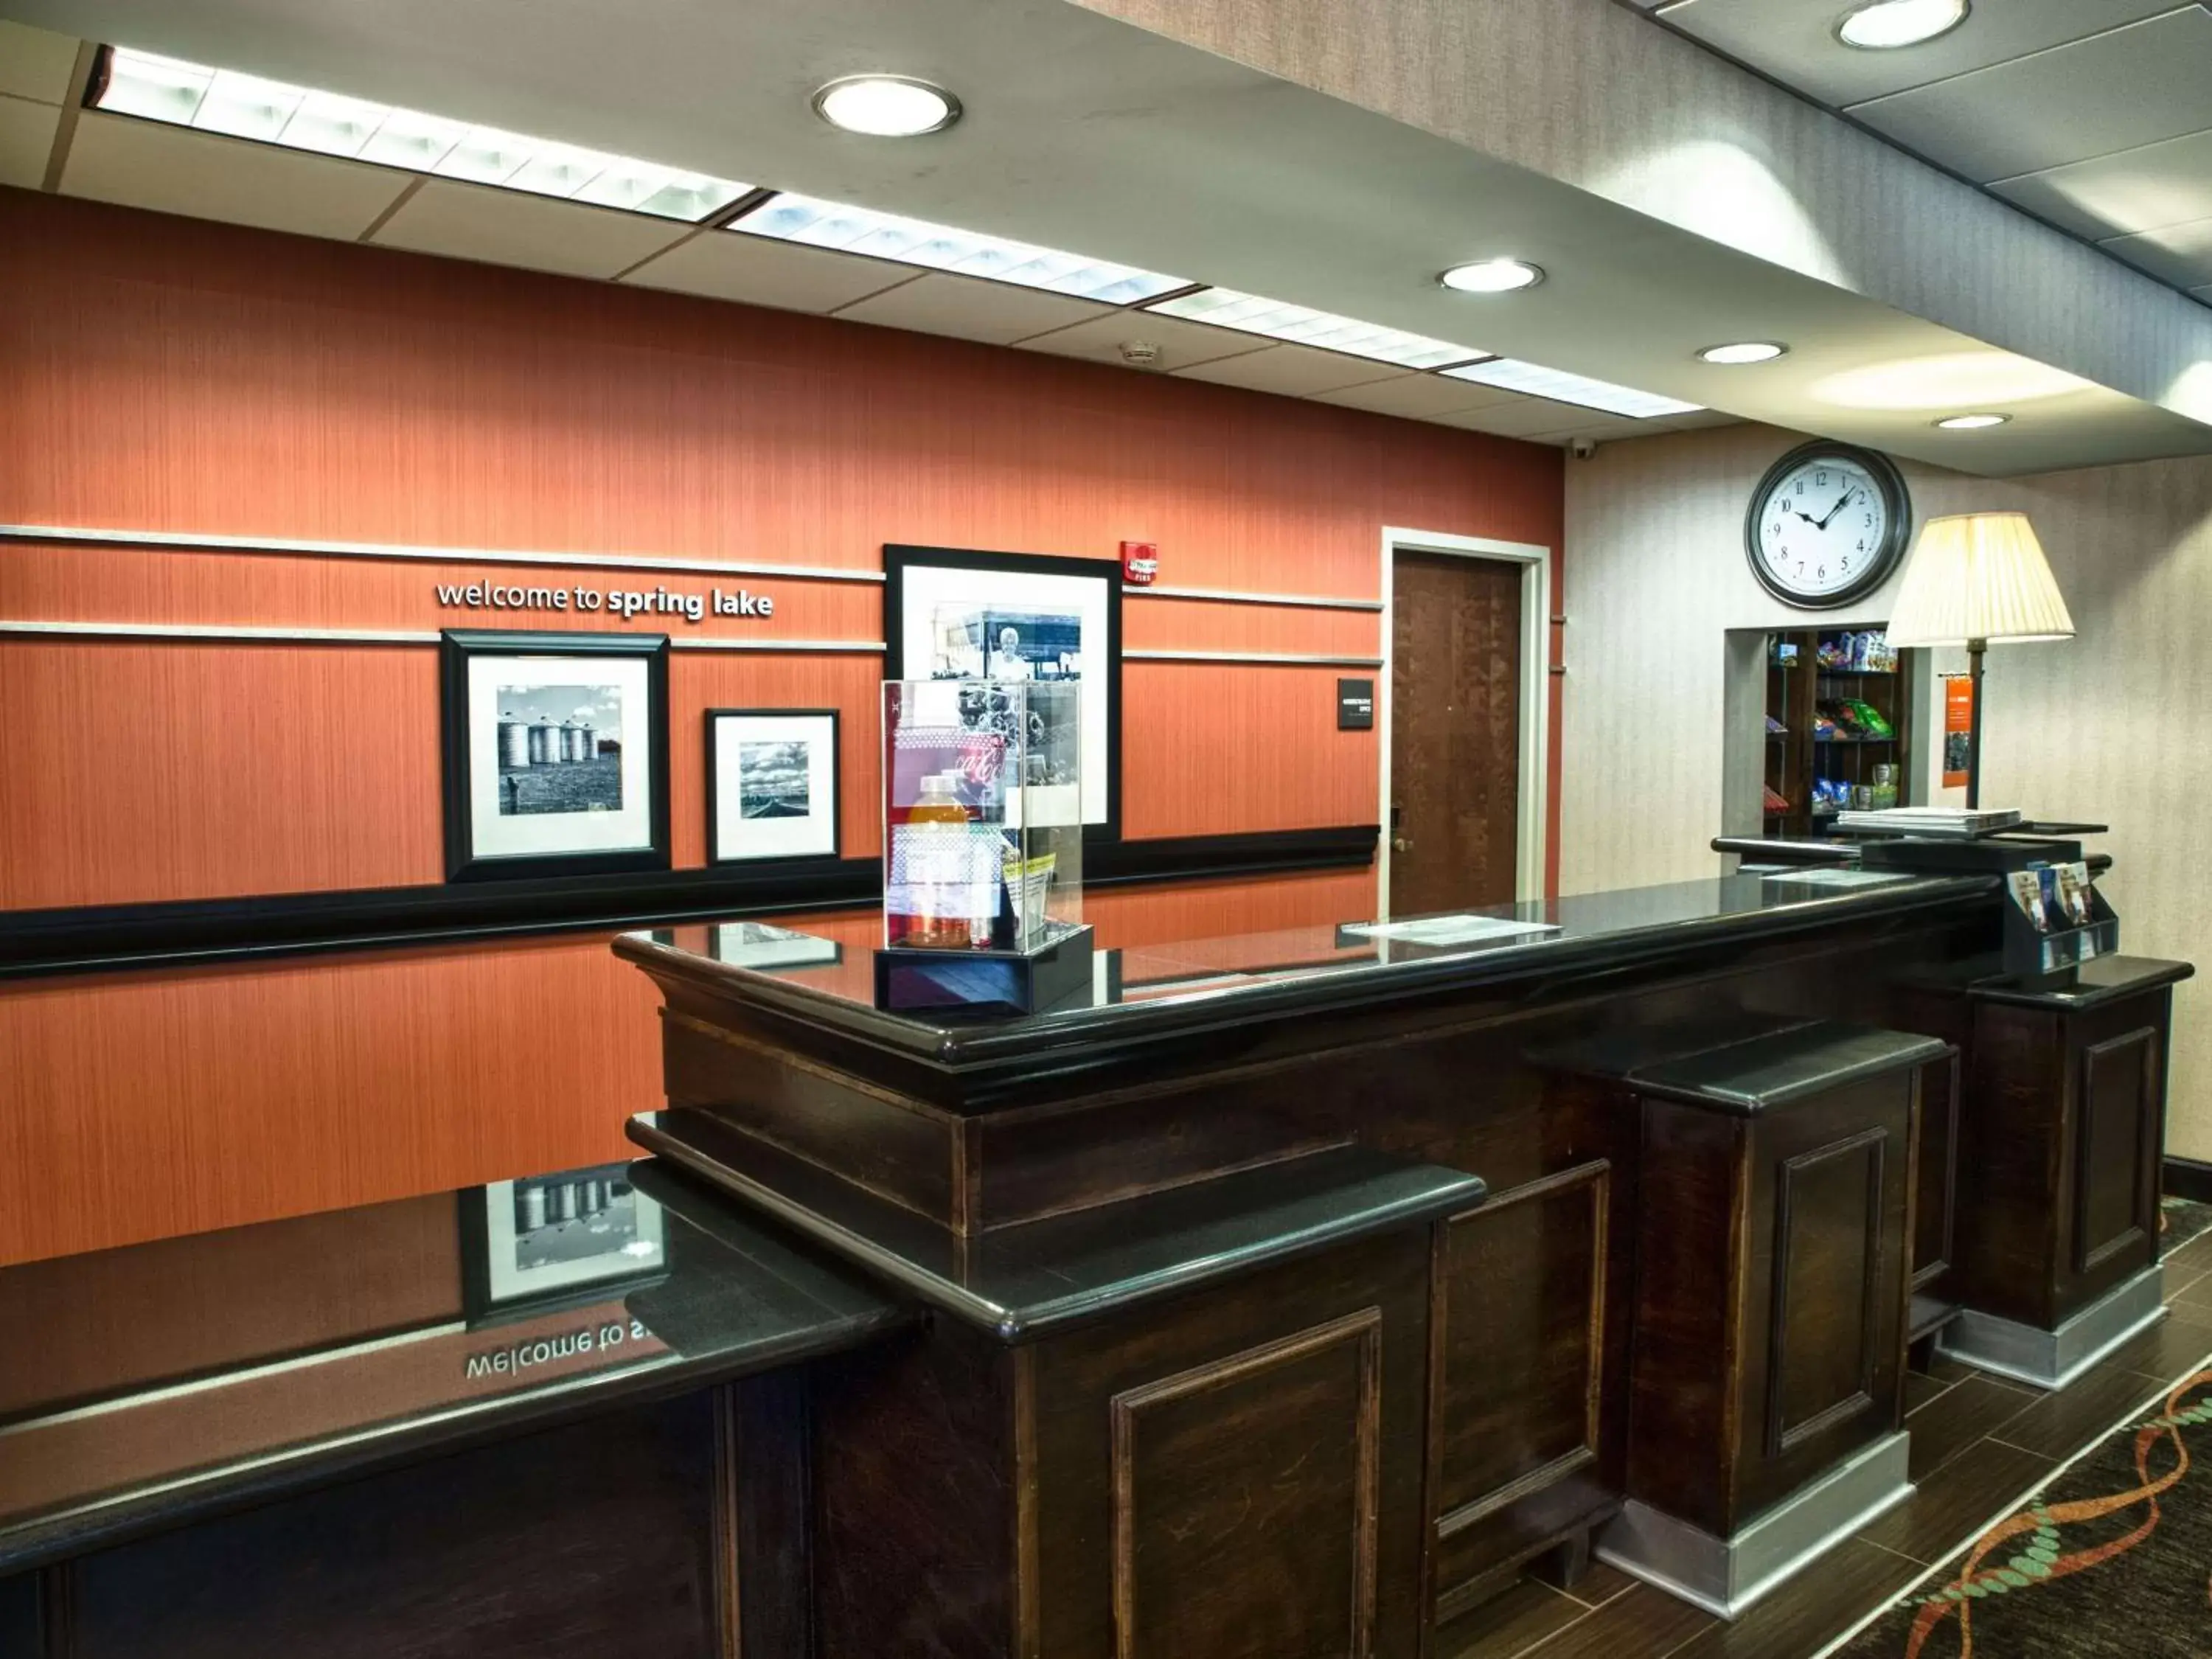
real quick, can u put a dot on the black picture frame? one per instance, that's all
(1897, 501)
(836, 773)
(458, 650)
(899, 559)
(489, 1296)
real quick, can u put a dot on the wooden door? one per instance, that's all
(1454, 732)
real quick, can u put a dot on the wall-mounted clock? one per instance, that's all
(1827, 525)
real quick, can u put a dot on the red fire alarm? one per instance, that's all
(1140, 562)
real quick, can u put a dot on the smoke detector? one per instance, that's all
(1139, 354)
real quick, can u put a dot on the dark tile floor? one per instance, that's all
(1979, 1443)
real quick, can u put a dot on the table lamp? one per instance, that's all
(1973, 579)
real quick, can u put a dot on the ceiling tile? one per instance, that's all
(1795, 41)
(968, 308)
(1293, 371)
(1521, 417)
(27, 139)
(145, 164)
(1418, 396)
(2144, 189)
(2128, 87)
(757, 271)
(1181, 343)
(508, 228)
(2180, 254)
(36, 62)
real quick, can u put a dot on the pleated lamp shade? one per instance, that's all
(1977, 576)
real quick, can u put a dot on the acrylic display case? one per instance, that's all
(982, 845)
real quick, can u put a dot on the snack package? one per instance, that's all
(2074, 894)
(1869, 718)
(1824, 729)
(1775, 728)
(2027, 893)
(1777, 803)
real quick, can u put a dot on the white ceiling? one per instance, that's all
(2094, 115)
(1082, 132)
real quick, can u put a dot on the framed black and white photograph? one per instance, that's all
(555, 754)
(771, 784)
(950, 613)
(577, 1236)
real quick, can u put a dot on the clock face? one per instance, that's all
(1826, 524)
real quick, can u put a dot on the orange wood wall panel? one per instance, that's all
(153, 771)
(163, 1103)
(1272, 730)
(171, 374)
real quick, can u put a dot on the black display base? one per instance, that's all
(994, 982)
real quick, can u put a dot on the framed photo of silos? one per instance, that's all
(555, 754)
(950, 613)
(771, 784)
(579, 1236)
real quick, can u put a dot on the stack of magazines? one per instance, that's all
(1939, 823)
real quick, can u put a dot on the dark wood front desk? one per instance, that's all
(1718, 1132)
(1293, 1295)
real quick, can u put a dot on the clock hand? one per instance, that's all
(1839, 507)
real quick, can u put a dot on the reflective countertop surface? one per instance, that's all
(144, 1382)
(829, 981)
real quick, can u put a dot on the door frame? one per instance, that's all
(1533, 792)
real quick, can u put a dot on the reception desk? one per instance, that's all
(1314, 1287)
(1285, 1294)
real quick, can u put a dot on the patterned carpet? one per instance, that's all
(2112, 1559)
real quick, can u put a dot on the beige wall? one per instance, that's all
(2113, 725)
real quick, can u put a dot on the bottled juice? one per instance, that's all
(939, 871)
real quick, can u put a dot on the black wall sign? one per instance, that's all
(1355, 705)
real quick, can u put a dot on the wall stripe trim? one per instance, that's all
(1232, 596)
(190, 632)
(1258, 659)
(191, 543)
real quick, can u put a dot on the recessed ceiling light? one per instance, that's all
(1970, 423)
(1561, 387)
(1254, 313)
(300, 118)
(1492, 276)
(790, 217)
(1887, 25)
(886, 106)
(1744, 351)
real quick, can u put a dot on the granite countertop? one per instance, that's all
(149, 1384)
(1176, 990)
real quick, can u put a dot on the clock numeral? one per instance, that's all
(1820, 481)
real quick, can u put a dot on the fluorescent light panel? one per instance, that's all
(1509, 374)
(299, 118)
(1251, 313)
(794, 218)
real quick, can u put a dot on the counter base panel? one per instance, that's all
(2051, 1359)
(1726, 1575)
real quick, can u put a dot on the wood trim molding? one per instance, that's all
(191, 542)
(1365, 1328)
(1231, 596)
(1254, 659)
(2087, 1259)
(1781, 1439)
(1928, 1273)
(203, 633)
(198, 931)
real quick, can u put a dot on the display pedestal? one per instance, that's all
(988, 982)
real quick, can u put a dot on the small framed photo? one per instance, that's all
(574, 1236)
(555, 754)
(771, 784)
